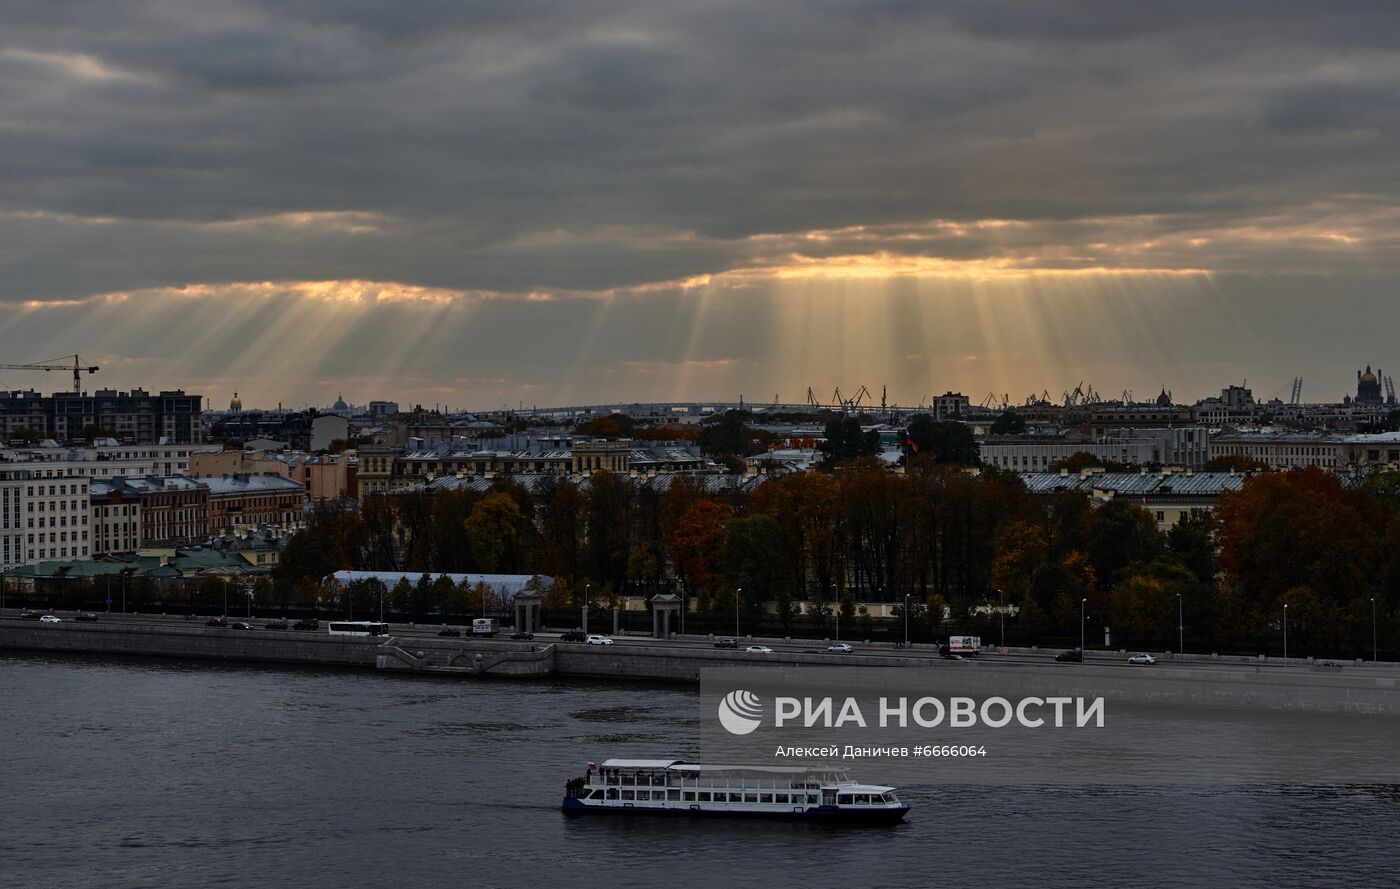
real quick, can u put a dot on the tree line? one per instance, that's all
(954, 542)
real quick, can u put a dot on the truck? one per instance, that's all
(961, 646)
(485, 626)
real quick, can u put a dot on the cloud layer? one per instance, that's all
(555, 152)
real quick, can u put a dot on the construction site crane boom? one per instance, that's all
(53, 364)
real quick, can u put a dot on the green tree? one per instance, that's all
(1008, 423)
(946, 441)
(1123, 533)
(749, 547)
(845, 440)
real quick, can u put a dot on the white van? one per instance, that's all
(485, 626)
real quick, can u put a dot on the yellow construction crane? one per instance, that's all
(59, 364)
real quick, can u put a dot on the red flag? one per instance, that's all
(910, 441)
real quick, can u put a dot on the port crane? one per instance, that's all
(77, 367)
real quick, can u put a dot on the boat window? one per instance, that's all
(765, 798)
(862, 799)
(843, 799)
(704, 797)
(750, 797)
(891, 798)
(629, 780)
(690, 796)
(629, 794)
(781, 797)
(673, 794)
(612, 793)
(736, 797)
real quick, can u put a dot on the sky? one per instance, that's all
(480, 204)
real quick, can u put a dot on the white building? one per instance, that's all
(56, 525)
(12, 517)
(1187, 447)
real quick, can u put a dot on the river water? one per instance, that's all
(137, 773)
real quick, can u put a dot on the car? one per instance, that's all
(573, 636)
(759, 649)
(49, 619)
(275, 625)
(307, 625)
(449, 631)
(726, 643)
(216, 622)
(27, 614)
(1073, 656)
(1143, 658)
(596, 639)
(240, 625)
(522, 635)
(840, 648)
(1327, 665)
(85, 617)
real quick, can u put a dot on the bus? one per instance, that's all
(358, 628)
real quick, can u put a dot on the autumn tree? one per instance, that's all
(493, 533)
(697, 548)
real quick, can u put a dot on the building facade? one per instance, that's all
(174, 509)
(247, 502)
(115, 518)
(135, 417)
(56, 513)
(12, 516)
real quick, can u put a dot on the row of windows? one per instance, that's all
(59, 521)
(57, 537)
(706, 796)
(59, 553)
(57, 490)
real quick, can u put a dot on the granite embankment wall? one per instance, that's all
(1248, 685)
(276, 646)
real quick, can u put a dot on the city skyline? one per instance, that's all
(620, 201)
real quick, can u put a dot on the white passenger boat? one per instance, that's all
(675, 787)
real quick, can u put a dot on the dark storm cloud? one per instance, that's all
(593, 145)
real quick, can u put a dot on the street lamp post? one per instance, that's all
(249, 594)
(1081, 629)
(1001, 616)
(586, 587)
(906, 620)
(737, 591)
(1285, 634)
(381, 603)
(1180, 628)
(1375, 650)
(684, 609)
(225, 586)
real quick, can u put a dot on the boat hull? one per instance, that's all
(816, 814)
